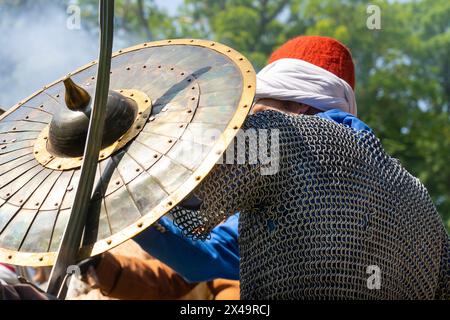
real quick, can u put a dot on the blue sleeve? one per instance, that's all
(344, 118)
(217, 257)
(195, 260)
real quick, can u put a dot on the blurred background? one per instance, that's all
(403, 64)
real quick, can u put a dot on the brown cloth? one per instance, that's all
(132, 278)
(222, 289)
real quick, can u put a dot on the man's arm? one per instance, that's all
(133, 278)
(195, 260)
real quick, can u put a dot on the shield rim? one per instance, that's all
(37, 259)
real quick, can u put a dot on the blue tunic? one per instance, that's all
(217, 257)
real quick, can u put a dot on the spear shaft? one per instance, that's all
(71, 240)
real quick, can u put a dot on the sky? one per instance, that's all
(34, 57)
(169, 5)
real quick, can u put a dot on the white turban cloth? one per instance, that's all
(300, 81)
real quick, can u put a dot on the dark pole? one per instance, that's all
(71, 240)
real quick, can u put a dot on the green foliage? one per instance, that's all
(134, 19)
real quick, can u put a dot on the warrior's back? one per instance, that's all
(344, 220)
(340, 219)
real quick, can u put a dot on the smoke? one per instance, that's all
(37, 47)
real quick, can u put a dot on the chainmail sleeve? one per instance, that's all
(231, 187)
(339, 219)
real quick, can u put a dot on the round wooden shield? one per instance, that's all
(195, 96)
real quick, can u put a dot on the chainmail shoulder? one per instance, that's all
(337, 208)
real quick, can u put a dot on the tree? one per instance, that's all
(252, 27)
(138, 20)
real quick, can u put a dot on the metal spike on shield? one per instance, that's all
(172, 108)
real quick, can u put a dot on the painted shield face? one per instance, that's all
(174, 107)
